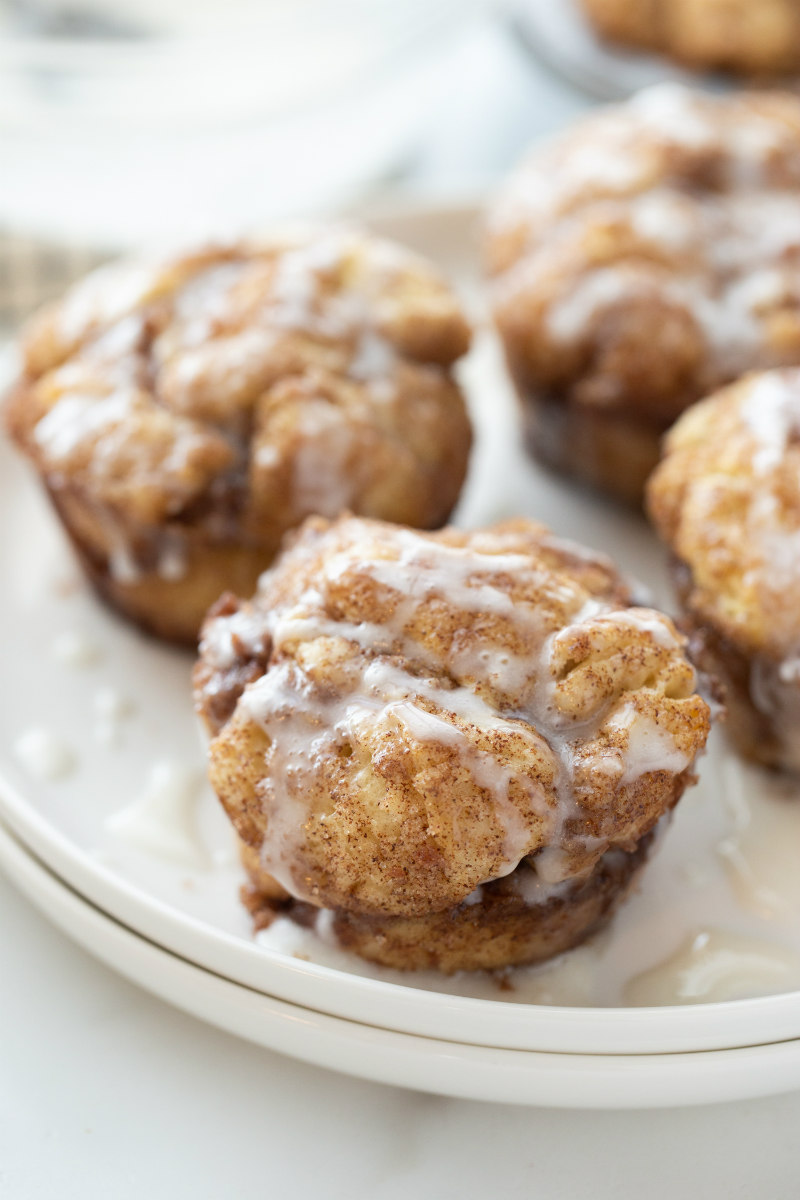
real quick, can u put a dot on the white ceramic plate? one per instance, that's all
(562, 38)
(726, 867)
(426, 1064)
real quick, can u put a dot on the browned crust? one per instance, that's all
(754, 732)
(638, 261)
(357, 809)
(498, 930)
(219, 443)
(756, 38)
(612, 453)
(171, 610)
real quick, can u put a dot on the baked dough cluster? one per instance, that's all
(185, 412)
(748, 37)
(641, 260)
(457, 744)
(726, 500)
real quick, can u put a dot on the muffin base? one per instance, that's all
(760, 44)
(762, 709)
(496, 928)
(607, 451)
(169, 605)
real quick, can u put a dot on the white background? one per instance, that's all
(108, 1094)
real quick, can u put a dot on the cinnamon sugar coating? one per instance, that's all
(639, 261)
(400, 718)
(748, 37)
(726, 500)
(505, 923)
(186, 412)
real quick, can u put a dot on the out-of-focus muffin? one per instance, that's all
(747, 37)
(184, 413)
(726, 500)
(641, 260)
(457, 745)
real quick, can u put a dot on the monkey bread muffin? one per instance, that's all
(726, 500)
(749, 37)
(641, 260)
(184, 413)
(458, 745)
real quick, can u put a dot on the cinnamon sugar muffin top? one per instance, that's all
(184, 412)
(726, 499)
(149, 375)
(751, 37)
(652, 252)
(399, 717)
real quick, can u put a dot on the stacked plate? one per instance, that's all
(108, 827)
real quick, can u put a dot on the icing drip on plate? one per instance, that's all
(163, 820)
(716, 965)
(44, 755)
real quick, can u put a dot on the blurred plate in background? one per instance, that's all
(561, 38)
(123, 120)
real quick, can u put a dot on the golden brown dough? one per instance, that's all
(639, 261)
(400, 719)
(748, 37)
(726, 500)
(185, 412)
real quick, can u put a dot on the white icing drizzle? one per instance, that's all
(164, 820)
(717, 965)
(303, 726)
(375, 357)
(650, 748)
(106, 296)
(330, 284)
(44, 755)
(535, 890)
(771, 411)
(568, 318)
(225, 635)
(304, 723)
(111, 710)
(324, 471)
(122, 564)
(172, 564)
(75, 419)
(725, 255)
(73, 648)
(727, 317)
(672, 111)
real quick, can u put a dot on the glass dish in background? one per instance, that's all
(559, 36)
(123, 119)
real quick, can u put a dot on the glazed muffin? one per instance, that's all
(748, 37)
(455, 745)
(726, 500)
(640, 261)
(185, 413)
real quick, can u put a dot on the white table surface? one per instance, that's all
(108, 1093)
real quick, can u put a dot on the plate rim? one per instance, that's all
(670, 1029)
(458, 1070)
